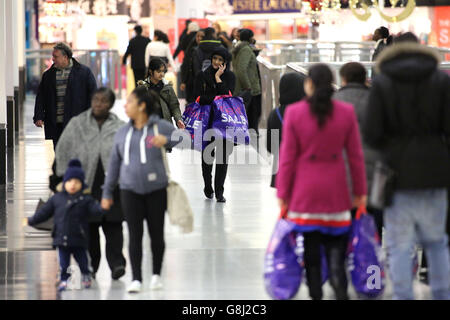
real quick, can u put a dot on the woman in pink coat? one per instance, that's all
(311, 181)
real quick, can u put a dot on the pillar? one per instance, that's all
(2, 95)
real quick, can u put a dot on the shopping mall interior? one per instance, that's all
(223, 257)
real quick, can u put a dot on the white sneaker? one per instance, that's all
(134, 287)
(156, 283)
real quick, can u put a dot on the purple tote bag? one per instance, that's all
(364, 263)
(230, 119)
(282, 263)
(195, 118)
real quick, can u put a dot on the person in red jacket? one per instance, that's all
(311, 180)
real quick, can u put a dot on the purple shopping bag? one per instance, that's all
(195, 118)
(282, 263)
(364, 263)
(230, 119)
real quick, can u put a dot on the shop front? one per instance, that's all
(329, 20)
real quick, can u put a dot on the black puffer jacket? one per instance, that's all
(408, 116)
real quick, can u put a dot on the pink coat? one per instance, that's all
(312, 175)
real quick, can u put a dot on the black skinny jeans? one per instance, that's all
(335, 248)
(220, 153)
(137, 208)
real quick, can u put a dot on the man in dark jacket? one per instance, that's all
(187, 68)
(136, 48)
(202, 55)
(65, 91)
(355, 91)
(408, 121)
(181, 39)
(383, 39)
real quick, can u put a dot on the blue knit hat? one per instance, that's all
(74, 171)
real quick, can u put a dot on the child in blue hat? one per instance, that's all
(71, 209)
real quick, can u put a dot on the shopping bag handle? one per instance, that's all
(224, 96)
(284, 213)
(217, 97)
(361, 210)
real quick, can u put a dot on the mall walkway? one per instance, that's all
(222, 258)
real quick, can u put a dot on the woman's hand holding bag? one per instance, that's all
(178, 207)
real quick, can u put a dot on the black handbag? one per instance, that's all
(383, 186)
(46, 225)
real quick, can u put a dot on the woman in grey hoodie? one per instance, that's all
(136, 162)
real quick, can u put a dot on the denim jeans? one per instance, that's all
(418, 215)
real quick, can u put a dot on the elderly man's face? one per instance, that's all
(59, 59)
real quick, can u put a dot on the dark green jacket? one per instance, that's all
(245, 68)
(168, 100)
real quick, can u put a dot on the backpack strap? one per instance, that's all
(277, 110)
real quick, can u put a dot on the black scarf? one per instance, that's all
(156, 87)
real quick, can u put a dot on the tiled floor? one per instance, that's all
(221, 259)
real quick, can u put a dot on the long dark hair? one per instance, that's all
(156, 64)
(161, 36)
(147, 97)
(320, 102)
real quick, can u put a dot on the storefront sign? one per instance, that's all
(132, 8)
(265, 6)
(442, 26)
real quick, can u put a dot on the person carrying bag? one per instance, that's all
(178, 207)
(137, 163)
(215, 81)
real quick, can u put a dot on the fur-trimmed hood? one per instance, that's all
(407, 61)
(239, 46)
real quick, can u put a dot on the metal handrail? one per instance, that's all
(300, 41)
(271, 74)
(105, 64)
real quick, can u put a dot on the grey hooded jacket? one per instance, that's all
(135, 162)
(83, 139)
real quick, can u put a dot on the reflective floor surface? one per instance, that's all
(222, 258)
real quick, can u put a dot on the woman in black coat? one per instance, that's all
(291, 90)
(215, 81)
